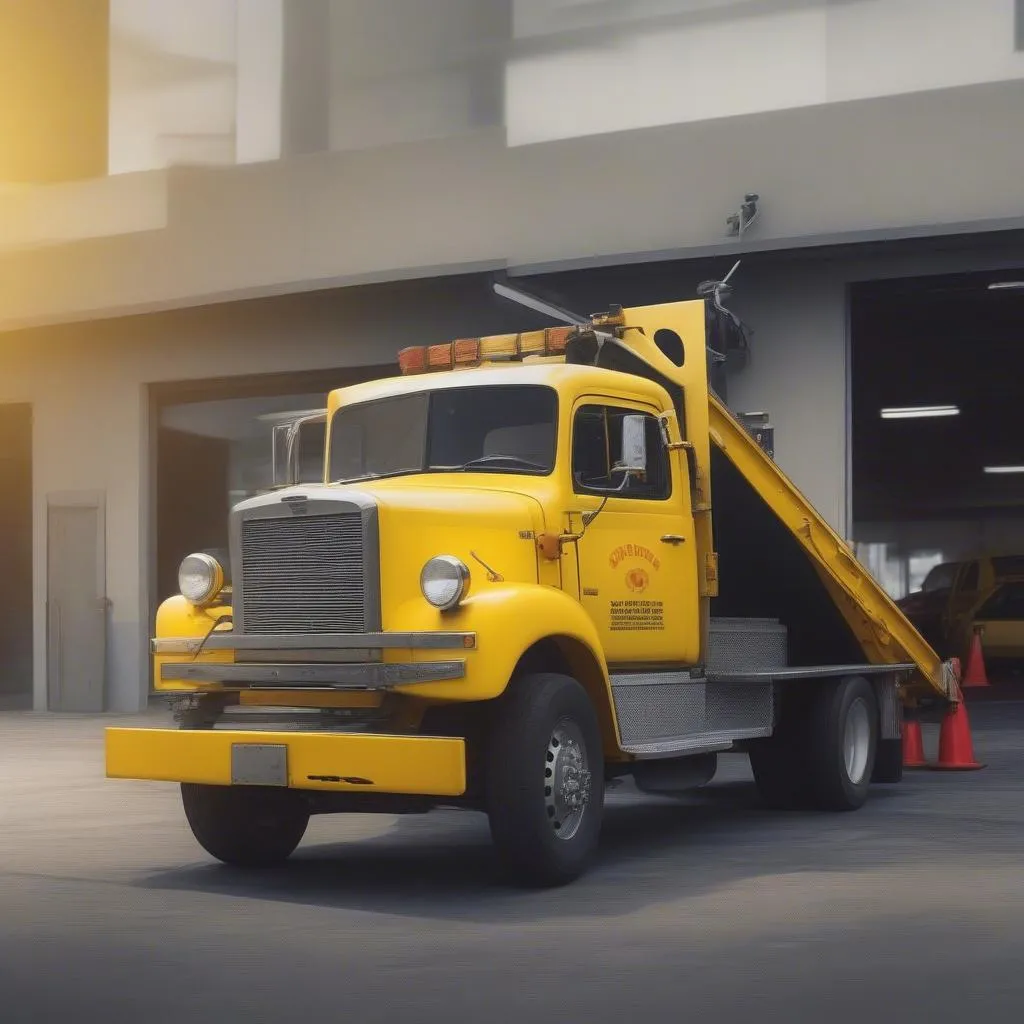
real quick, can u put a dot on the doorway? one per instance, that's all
(76, 629)
(938, 460)
(213, 443)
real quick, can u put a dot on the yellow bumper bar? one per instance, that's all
(420, 765)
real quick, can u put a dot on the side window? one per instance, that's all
(970, 578)
(597, 449)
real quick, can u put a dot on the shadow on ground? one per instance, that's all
(441, 865)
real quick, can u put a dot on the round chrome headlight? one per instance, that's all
(200, 578)
(444, 581)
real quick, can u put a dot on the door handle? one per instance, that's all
(672, 538)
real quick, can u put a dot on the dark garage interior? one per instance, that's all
(937, 444)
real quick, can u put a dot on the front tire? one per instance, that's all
(245, 826)
(545, 779)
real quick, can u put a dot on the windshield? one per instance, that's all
(940, 578)
(1005, 605)
(495, 429)
(1008, 565)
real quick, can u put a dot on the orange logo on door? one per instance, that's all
(637, 580)
(634, 551)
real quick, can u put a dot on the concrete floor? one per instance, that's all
(909, 910)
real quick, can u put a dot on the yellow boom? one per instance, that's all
(882, 630)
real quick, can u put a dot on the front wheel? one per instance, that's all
(545, 779)
(245, 826)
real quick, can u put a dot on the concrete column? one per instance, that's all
(260, 70)
(306, 89)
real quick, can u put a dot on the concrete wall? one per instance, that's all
(406, 72)
(220, 82)
(425, 181)
(894, 165)
(172, 83)
(588, 68)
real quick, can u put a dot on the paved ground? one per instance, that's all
(910, 910)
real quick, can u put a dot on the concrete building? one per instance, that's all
(229, 206)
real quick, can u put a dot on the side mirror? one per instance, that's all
(633, 459)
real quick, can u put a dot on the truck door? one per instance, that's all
(637, 560)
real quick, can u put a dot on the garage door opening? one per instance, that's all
(16, 557)
(213, 449)
(938, 439)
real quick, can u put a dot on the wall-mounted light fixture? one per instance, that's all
(744, 216)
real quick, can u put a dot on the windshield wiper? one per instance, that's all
(375, 476)
(514, 460)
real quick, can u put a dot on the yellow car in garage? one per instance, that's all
(956, 595)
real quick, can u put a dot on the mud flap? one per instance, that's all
(889, 756)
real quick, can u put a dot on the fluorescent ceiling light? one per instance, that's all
(1004, 469)
(1008, 286)
(916, 412)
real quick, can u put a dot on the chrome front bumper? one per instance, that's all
(358, 676)
(347, 661)
(227, 641)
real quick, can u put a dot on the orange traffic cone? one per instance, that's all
(956, 752)
(975, 675)
(913, 745)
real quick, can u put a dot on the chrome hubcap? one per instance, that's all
(857, 741)
(566, 780)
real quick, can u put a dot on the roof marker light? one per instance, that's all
(413, 360)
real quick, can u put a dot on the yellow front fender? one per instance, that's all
(176, 617)
(508, 620)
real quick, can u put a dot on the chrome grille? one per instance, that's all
(304, 574)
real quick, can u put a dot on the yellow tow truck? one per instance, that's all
(535, 563)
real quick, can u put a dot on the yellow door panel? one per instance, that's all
(637, 558)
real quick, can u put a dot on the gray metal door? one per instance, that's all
(76, 608)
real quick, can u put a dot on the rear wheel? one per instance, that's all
(843, 743)
(245, 826)
(888, 762)
(780, 763)
(545, 779)
(824, 750)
